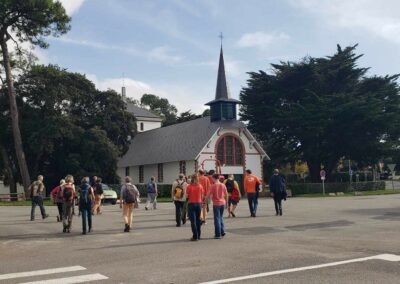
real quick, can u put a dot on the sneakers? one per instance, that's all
(233, 214)
(126, 228)
(45, 216)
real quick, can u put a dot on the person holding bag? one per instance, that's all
(129, 199)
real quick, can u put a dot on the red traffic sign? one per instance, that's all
(322, 173)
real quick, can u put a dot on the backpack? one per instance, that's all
(178, 191)
(99, 189)
(84, 191)
(59, 195)
(230, 185)
(68, 192)
(151, 187)
(129, 195)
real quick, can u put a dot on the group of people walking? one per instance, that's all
(192, 198)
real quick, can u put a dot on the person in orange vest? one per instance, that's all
(251, 185)
(205, 183)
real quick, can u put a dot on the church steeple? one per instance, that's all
(222, 107)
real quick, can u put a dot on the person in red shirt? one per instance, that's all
(56, 195)
(219, 196)
(195, 193)
(205, 183)
(251, 185)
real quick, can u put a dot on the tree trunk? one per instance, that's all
(10, 173)
(14, 117)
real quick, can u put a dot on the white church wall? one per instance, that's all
(147, 125)
(253, 162)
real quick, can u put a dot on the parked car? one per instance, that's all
(109, 194)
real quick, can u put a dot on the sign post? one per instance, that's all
(322, 173)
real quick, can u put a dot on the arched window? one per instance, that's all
(229, 151)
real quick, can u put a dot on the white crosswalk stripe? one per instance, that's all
(71, 280)
(64, 280)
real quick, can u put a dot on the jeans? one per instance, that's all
(151, 198)
(219, 220)
(67, 214)
(179, 212)
(86, 212)
(60, 210)
(278, 204)
(194, 216)
(252, 198)
(37, 201)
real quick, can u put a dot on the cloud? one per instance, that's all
(163, 54)
(71, 6)
(374, 17)
(262, 40)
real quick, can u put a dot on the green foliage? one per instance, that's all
(311, 188)
(161, 107)
(322, 109)
(68, 126)
(32, 20)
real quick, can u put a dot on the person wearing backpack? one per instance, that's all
(151, 193)
(178, 195)
(86, 197)
(98, 195)
(278, 191)
(37, 190)
(128, 201)
(56, 195)
(233, 195)
(68, 192)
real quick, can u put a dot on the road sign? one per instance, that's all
(391, 167)
(322, 173)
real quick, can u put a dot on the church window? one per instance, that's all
(182, 167)
(160, 172)
(141, 126)
(229, 151)
(141, 174)
(127, 171)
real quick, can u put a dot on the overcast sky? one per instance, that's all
(170, 47)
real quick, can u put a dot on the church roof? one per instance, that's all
(179, 142)
(140, 112)
(222, 91)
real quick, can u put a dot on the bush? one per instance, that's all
(307, 188)
(164, 190)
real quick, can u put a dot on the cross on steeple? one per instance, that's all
(221, 36)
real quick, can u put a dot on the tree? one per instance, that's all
(319, 110)
(26, 21)
(68, 125)
(160, 106)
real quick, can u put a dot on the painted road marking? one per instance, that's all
(71, 280)
(41, 272)
(386, 257)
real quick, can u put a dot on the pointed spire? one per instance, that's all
(221, 91)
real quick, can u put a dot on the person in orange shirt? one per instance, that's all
(205, 183)
(251, 184)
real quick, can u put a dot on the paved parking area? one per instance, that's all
(314, 232)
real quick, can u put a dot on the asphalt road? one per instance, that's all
(312, 232)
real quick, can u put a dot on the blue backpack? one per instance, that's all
(151, 188)
(84, 198)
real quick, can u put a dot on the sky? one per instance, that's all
(171, 47)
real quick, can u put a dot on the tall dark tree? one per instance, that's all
(26, 21)
(160, 106)
(322, 109)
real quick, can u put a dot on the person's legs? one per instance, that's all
(192, 218)
(42, 210)
(60, 211)
(70, 214)
(222, 224)
(154, 200)
(65, 217)
(89, 216)
(280, 205)
(276, 205)
(130, 215)
(255, 202)
(217, 221)
(148, 201)
(34, 203)
(198, 221)
(184, 211)
(250, 199)
(84, 214)
(178, 212)
(125, 214)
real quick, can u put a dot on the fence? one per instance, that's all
(309, 188)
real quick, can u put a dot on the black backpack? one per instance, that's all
(99, 189)
(68, 192)
(129, 195)
(230, 185)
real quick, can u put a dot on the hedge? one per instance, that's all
(306, 188)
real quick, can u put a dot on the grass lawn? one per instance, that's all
(359, 193)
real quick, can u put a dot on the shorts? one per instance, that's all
(232, 201)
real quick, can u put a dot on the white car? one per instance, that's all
(109, 195)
